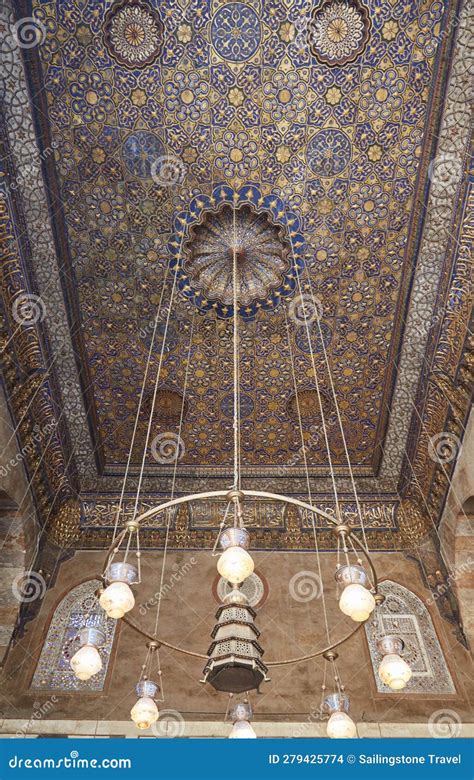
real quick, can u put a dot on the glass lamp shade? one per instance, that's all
(242, 729)
(235, 564)
(357, 602)
(394, 671)
(341, 726)
(144, 712)
(86, 662)
(117, 599)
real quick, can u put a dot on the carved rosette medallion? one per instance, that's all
(338, 31)
(258, 231)
(133, 33)
(261, 250)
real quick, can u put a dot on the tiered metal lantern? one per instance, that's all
(234, 663)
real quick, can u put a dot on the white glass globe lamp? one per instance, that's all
(393, 670)
(87, 661)
(145, 712)
(235, 564)
(356, 600)
(117, 599)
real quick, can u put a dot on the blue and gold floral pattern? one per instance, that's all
(187, 95)
(236, 155)
(91, 97)
(140, 151)
(368, 206)
(285, 97)
(235, 32)
(302, 342)
(334, 153)
(329, 152)
(107, 207)
(382, 94)
(246, 405)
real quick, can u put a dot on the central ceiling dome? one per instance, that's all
(262, 250)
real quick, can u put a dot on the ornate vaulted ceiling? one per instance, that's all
(315, 127)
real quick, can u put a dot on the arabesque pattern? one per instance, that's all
(340, 147)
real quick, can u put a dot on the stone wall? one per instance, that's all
(456, 531)
(291, 622)
(18, 526)
(167, 728)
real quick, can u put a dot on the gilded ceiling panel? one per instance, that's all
(311, 117)
(435, 366)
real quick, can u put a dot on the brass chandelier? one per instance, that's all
(234, 661)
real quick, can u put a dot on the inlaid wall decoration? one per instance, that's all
(255, 587)
(406, 616)
(78, 608)
(257, 514)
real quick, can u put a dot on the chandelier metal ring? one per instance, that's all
(138, 521)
